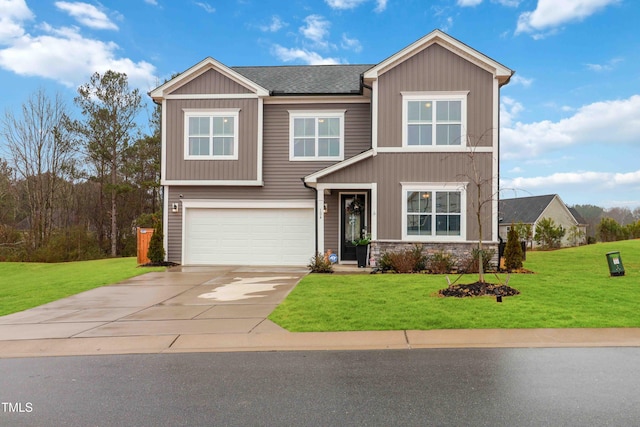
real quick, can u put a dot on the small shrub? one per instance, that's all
(156, 248)
(384, 263)
(487, 256)
(406, 261)
(320, 264)
(441, 263)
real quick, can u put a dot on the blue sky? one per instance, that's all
(570, 118)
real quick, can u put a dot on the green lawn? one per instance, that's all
(26, 285)
(571, 289)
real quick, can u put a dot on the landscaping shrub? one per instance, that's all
(320, 264)
(441, 263)
(156, 249)
(513, 251)
(406, 261)
(487, 256)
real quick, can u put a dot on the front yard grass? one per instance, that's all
(25, 285)
(571, 289)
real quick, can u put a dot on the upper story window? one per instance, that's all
(434, 119)
(316, 135)
(211, 134)
(433, 212)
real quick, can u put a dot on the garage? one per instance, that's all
(259, 235)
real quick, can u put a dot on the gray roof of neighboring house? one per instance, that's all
(577, 216)
(523, 209)
(306, 79)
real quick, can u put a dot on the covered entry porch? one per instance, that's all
(346, 212)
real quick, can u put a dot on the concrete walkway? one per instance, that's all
(209, 309)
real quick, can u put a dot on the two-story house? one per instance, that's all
(269, 165)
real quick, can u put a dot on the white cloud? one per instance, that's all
(520, 80)
(472, 3)
(206, 6)
(509, 110)
(275, 25)
(613, 122)
(381, 5)
(306, 56)
(151, 2)
(351, 44)
(345, 4)
(607, 66)
(583, 178)
(550, 14)
(316, 30)
(508, 3)
(87, 14)
(47, 56)
(448, 23)
(12, 15)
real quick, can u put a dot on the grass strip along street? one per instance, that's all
(571, 288)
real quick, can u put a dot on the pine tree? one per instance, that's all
(513, 250)
(156, 249)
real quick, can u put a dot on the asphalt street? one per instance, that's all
(491, 387)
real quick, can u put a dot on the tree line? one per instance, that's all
(608, 225)
(75, 188)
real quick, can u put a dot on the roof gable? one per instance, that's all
(502, 73)
(201, 68)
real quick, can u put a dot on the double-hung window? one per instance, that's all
(211, 134)
(433, 212)
(434, 119)
(316, 135)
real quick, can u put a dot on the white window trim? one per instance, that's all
(295, 114)
(216, 112)
(434, 96)
(435, 187)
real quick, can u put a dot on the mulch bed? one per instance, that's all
(159, 264)
(478, 289)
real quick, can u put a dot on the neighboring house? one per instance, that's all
(269, 165)
(530, 210)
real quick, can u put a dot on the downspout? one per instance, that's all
(315, 209)
(364, 85)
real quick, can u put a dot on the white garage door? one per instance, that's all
(259, 236)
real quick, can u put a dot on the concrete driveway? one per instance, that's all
(154, 310)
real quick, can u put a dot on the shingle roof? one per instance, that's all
(523, 209)
(577, 216)
(306, 79)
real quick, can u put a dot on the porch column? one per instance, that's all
(320, 218)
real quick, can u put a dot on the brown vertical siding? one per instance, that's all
(211, 82)
(435, 69)
(389, 170)
(245, 168)
(282, 178)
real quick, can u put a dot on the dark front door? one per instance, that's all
(352, 223)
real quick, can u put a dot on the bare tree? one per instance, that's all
(41, 155)
(481, 183)
(110, 109)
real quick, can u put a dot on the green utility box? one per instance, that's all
(615, 264)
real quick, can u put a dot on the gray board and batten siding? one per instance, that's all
(282, 177)
(179, 168)
(398, 168)
(436, 69)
